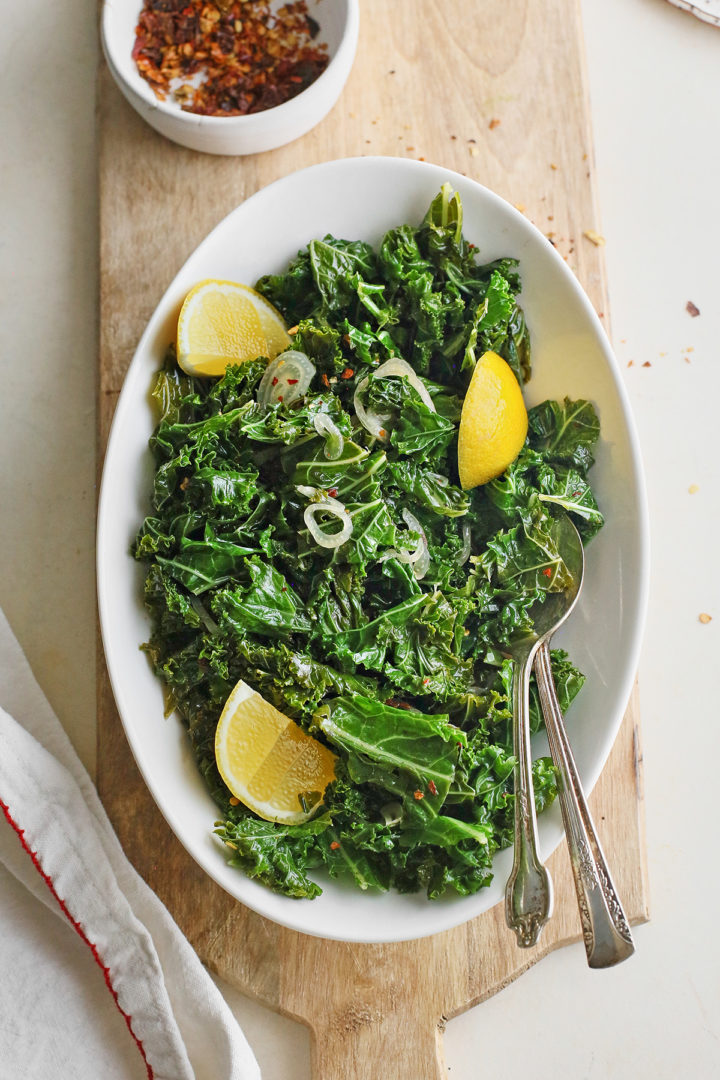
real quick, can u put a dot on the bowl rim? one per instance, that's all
(343, 55)
(291, 915)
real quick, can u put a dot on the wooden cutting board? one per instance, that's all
(496, 90)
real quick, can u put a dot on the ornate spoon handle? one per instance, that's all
(528, 893)
(605, 929)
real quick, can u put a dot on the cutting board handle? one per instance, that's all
(365, 1044)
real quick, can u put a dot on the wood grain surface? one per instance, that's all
(497, 91)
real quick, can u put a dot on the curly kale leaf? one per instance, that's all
(276, 855)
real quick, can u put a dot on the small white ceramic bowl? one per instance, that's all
(338, 21)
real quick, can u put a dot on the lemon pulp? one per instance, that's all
(226, 322)
(267, 761)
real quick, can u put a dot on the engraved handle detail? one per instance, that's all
(605, 928)
(528, 893)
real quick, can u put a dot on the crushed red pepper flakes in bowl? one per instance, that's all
(248, 57)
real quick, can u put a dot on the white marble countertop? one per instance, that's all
(655, 93)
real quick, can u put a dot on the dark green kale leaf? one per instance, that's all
(268, 605)
(276, 855)
(565, 434)
(201, 565)
(568, 489)
(568, 684)
(382, 743)
(489, 328)
(414, 428)
(339, 268)
(428, 489)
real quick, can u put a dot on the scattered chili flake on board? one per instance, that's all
(692, 309)
(227, 57)
(704, 617)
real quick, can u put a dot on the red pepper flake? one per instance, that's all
(418, 795)
(382, 432)
(280, 397)
(347, 373)
(333, 493)
(494, 123)
(547, 572)
(334, 845)
(275, 381)
(291, 382)
(426, 680)
(692, 309)
(432, 788)
(250, 54)
(324, 380)
(233, 800)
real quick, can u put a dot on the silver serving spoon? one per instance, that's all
(528, 893)
(605, 928)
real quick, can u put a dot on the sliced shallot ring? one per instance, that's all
(336, 509)
(334, 439)
(286, 378)
(422, 563)
(464, 553)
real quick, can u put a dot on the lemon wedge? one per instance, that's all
(225, 322)
(493, 423)
(269, 763)
(271, 321)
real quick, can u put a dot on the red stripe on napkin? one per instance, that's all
(78, 928)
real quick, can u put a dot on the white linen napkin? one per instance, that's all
(112, 937)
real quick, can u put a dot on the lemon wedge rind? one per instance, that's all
(493, 423)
